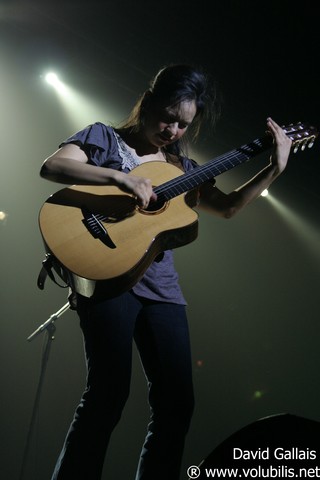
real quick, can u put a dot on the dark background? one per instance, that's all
(252, 283)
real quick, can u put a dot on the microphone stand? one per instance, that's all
(50, 328)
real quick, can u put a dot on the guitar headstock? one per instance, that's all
(302, 135)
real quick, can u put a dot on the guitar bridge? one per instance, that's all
(96, 228)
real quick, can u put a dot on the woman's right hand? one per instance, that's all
(139, 187)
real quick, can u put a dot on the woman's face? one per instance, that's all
(165, 125)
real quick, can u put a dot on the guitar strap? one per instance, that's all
(48, 265)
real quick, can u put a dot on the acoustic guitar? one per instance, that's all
(100, 240)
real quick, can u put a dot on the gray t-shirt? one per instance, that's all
(105, 148)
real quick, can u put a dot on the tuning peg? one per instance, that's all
(311, 143)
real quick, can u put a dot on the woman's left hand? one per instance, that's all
(282, 145)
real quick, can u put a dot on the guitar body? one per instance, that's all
(114, 258)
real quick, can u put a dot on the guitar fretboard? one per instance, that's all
(211, 169)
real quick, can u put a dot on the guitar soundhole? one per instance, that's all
(154, 208)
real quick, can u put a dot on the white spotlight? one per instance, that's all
(265, 193)
(53, 79)
(3, 216)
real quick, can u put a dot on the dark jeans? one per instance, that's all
(161, 334)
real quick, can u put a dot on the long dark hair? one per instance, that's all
(172, 85)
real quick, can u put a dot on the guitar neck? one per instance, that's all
(211, 169)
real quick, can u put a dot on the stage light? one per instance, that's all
(258, 394)
(80, 109)
(265, 193)
(3, 216)
(53, 80)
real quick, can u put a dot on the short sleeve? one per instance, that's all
(99, 144)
